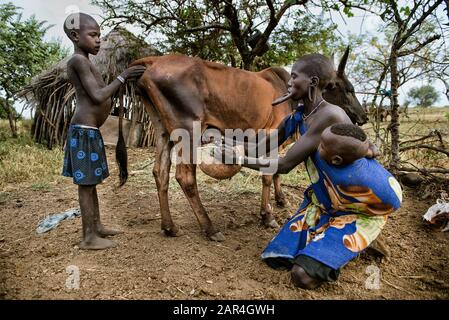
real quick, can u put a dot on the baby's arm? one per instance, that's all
(81, 66)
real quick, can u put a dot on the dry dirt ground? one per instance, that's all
(148, 265)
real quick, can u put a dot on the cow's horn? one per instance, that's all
(284, 98)
(342, 64)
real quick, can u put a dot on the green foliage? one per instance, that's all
(423, 96)
(446, 114)
(301, 35)
(23, 52)
(3, 114)
(221, 31)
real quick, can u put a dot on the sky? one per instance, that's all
(55, 12)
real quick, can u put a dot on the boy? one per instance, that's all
(85, 158)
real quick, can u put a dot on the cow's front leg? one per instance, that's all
(161, 173)
(186, 176)
(279, 196)
(265, 211)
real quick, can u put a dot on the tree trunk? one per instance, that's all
(11, 118)
(394, 124)
(248, 64)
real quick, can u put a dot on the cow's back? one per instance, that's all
(217, 95)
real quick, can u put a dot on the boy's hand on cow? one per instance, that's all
(133, 72)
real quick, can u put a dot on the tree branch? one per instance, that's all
(425, 146)
(418, 22)
(424, 170)
(419, 47)
(212, 26)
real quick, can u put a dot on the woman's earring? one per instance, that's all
(312, 96)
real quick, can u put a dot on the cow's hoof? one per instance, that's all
(217, 237)
(272, 224)
(175, 232)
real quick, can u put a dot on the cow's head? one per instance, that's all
(341, 93)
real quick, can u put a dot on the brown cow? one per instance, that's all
(179, 90)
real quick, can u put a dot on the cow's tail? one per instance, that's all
(121, 154)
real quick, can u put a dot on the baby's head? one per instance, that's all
(343, 143)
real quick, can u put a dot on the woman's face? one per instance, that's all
(298, 85)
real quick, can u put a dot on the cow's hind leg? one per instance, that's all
(265, 211)
(186, 176)
(279, 196)
(161, 173)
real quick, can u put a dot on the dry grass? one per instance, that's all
(419, 124)
(23, 160)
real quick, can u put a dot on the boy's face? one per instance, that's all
(340, 150)
(88, 36)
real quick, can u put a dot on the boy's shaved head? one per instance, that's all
(316, 65)
(76, 21)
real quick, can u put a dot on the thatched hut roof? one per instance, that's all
(52, 97)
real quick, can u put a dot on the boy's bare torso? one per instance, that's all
(87, 112)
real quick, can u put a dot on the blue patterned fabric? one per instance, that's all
(343, 211)
(84, 156)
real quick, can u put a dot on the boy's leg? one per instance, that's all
(101, 230)
(91, 239)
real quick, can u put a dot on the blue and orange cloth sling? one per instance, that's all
(344, 208)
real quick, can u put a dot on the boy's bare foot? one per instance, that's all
(96, 243)
(104, 232)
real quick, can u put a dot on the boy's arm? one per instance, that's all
(81, 66)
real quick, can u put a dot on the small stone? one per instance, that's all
(192, 292)
(209, 281)
(164, 280)
(50, 254)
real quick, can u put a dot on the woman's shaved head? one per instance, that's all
(316, 65)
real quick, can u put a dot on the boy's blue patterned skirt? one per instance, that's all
(84, 156)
